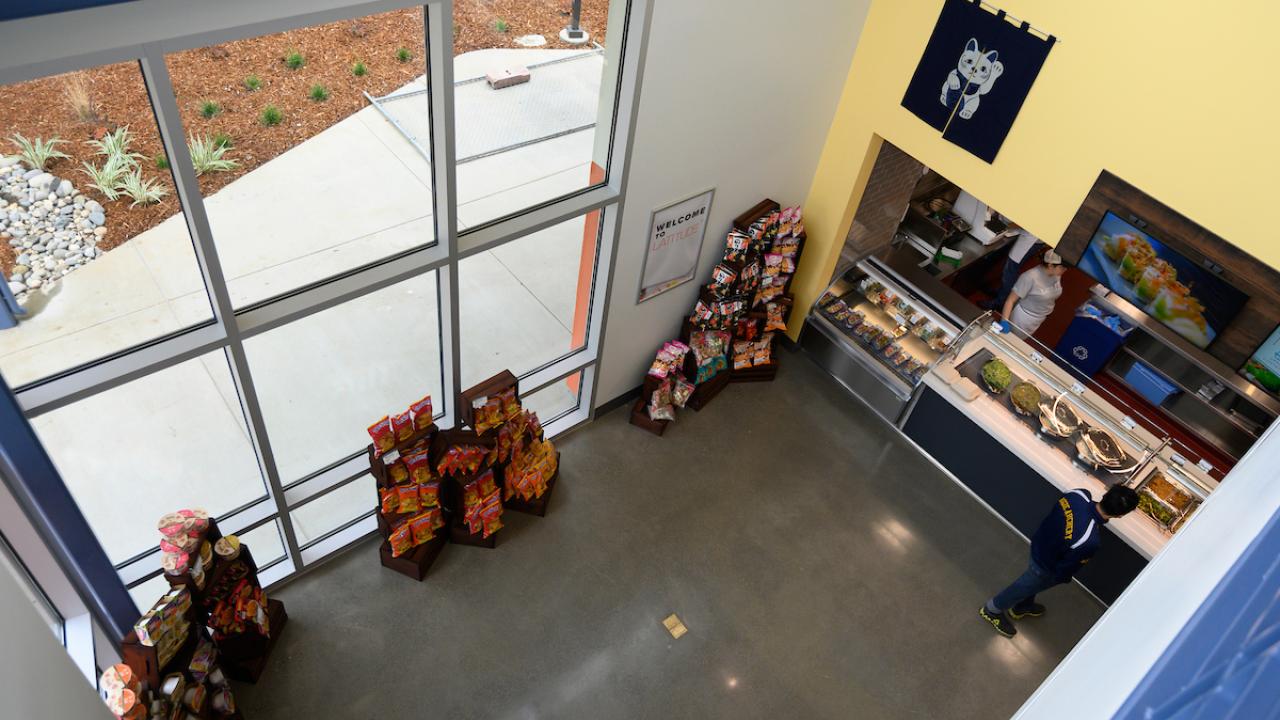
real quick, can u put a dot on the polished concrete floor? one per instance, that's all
(823, 566)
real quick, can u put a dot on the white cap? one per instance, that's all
(1052, 258)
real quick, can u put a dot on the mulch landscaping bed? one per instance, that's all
(38, 108)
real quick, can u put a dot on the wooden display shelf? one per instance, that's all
(145, 660)
(640, 418)
(757, 211)
(417, 561)
(378, 464)
(497, 384)
(459, 534)
(759, 373)
(706, 392)
(536, 506)
(243, 657)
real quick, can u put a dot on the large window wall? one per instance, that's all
(314, 253)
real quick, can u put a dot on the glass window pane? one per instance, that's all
(324, 379)
(264, 543)
(555, 399)
(146, 594)
(534, 141)
(321, 182)
(95, 270)
(329, 512)
(526, 303)
(173, 439)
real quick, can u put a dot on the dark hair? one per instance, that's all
(1118, 500)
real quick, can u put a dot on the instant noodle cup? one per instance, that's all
(384, 439)
(401, 539)
(398, 472)
(174, 687)
(206, 552)
(422, 414)
(194, 698)
(172, 524)
(227, 547)
(222, 701)
(175, 563)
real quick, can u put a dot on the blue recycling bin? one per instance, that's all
(1088, 342)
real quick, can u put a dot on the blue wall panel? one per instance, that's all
(14, 9)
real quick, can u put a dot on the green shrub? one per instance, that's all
(252, 83)
(318, 93)
(106, 178)
(116, 144)
(294, 60)
(403, 54)
(271, 115)
(209, 108)
(162, 162)
(141, 191)
(359, 69)
(501, 25)
(37, 152)
(222, 140)
(207, 155)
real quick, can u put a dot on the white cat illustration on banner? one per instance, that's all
(974, 75)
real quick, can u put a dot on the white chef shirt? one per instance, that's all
(1037, 292)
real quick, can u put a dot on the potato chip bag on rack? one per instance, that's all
(408, 498)
(422, 414)
(491, 518)
(487, 415)
(389, 500)
(773, 317)
(772, 264)
(763, 349)
(402, 426)
(397, 472)
(429, 495)
(401, 539)
(488, 485)
(742, 359)
(422, 528)
(510, 404)
(384, 439)
(660, 407)
(748, 328)
(419, 466)
(681, 389)
(736, 246)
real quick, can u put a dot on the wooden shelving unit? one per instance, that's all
(418, 560)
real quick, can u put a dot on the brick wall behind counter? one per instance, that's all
(883, 203)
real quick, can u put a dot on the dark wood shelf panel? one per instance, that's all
(417, 561)
(243, 657)
(497, 384)
(640, 417)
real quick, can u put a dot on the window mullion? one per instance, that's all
(165, 104)
(439, 33)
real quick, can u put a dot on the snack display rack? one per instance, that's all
(417, 561)
(495, 386)
(734, 331)
(451, 486)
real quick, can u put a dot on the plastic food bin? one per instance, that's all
(1149, 384)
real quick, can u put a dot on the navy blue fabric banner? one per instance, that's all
(974, 75)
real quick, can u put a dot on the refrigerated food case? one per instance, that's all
(877, 333)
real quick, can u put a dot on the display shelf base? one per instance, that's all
(758, 373)
(536, 506)
(640, 418)
(247, 667)
(459, 535)
(416, 562)
(707, 391)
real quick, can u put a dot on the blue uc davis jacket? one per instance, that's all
(1069, 535)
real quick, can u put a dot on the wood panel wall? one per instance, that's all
(1259, 316)
(883, 203)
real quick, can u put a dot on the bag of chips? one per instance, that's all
(390, 500)
(510, 404)
(736, 246)
(492, 519)
(772, 264)
(488, 485)
(429, 495)
(773, 317)
(422, 528)
(422, 414)
(384, 439)
(402, 426)
(401, 539)
(407, 496)
(742, 355)
(397, 472)
(668, 358)
(660, 407)
(419, 466)
(681, 389)
(488, 415)
(763, 350)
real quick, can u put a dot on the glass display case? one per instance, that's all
(1094, 430)
(878, 334)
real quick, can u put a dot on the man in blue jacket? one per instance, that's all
(1065, 541)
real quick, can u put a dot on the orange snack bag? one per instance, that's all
(398, 472)
(487, 484)
(422, 413)
(429, 495)
(402, 426)
(419, 464)
(401, 540)
(383, 437)
(390, 500)
(422, 528)
(408, 498)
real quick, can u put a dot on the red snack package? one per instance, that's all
(408, 498)
(488, 415)
(419, 465)
(398, 472)
(774, 320)
(422, 528)
(437, 518)
(383, 437)
(402, 426)
(422, 413)
(390, 498)
(491, 518)
(488, 486)
(510, 404)
(401, 539)
(429, 495)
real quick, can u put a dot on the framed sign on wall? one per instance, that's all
(676, 232)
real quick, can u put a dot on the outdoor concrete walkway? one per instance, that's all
(352, 194)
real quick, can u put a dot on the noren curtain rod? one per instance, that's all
(1016, 21)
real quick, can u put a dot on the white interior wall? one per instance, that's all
(737, 95)
(37, 677)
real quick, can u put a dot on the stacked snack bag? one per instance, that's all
(409, 500)
(528, 460)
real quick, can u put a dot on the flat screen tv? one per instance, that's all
(1169, 287)
(1263, 367)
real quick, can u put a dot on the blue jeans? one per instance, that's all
(1008, 276)
(1022, 592)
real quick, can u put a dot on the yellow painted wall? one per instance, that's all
(1180, 98)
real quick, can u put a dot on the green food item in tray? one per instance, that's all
(1153, 507)
(1025, 397)
(997, 376)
